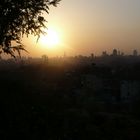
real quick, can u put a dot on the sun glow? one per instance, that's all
(50, 40)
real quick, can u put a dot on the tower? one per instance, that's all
(135, 53)
(114, 53)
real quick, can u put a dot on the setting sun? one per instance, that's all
(50, 40)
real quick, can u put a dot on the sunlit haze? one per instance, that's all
(50, 39)
(91, 26)
(80, 79)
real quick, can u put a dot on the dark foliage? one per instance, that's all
(21, 17)
(38, 102)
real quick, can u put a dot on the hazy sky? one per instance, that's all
(91, 26)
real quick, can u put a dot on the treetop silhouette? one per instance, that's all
(21, 17)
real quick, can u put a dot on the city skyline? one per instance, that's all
(91, 26)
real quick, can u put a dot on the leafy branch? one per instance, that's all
(21, 17)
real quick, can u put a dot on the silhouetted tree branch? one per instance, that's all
(21, 17)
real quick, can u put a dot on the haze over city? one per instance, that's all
(80, 27)
(81, 80)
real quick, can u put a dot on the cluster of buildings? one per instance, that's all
(113, 78)
(116, 52)
(107, 82)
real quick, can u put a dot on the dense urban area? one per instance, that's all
(67, 98)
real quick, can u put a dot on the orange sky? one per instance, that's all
(91, 26)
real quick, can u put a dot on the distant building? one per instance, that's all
(114, 53)
(135, 53)
(122, 53)
(92, 55)
(64, 55)
(104, 53)
(45, 58)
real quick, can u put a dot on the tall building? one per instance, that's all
(135, 53)
(92, 55)
(114, 53)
